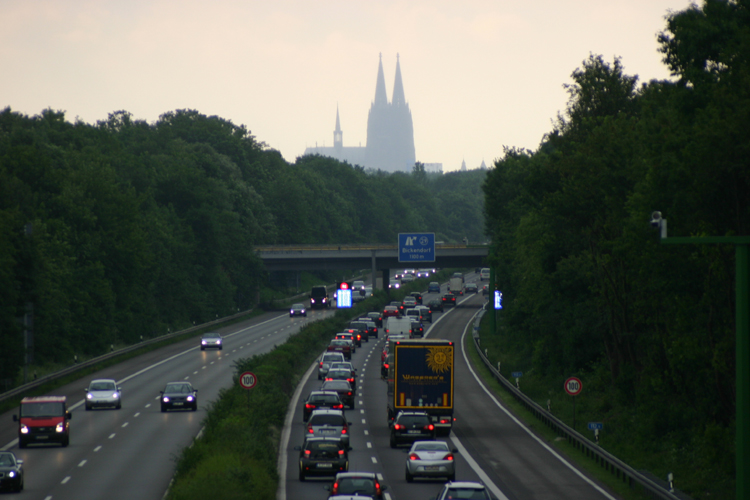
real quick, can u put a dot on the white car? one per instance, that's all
(103, 392)
(430, 459)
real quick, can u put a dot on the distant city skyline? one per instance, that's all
(480, 75)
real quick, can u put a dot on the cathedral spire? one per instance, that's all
(381, 98)
(398, 87)
(338, 139)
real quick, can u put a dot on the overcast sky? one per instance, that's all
(478, 75)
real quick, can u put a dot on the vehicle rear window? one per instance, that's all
(325, 398)
(324, 446)
(337, 420)
(466, 493)
(413, 420)
(335, 384)
(364, 486)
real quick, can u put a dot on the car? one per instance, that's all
(324, 364)
(384, 360)
(377, 318)
(389, 311)
(361, 327)
(485, 290)
(317, 400)
(353, 335)
(358, 285)
(344, 346)
(407, 278)
(430, 459)
(345, 365)
(103, 393)
(435, 305)
(448, 299)
(342, 374)
(425, 312)
(417, 296)
(464, 489)
(433, 287)
(328, 423)
(424, 273)
(211, 339)
(372, 328)
(407, 303)
(342, 388)
(359, 483)
(410, 426)
(43, 420)
(358, 295)
(417, 328)
(322, 456)
(11, 472)
(484, 274)
(179, 396)
(297, 310)
(471, 288)
(414, 313)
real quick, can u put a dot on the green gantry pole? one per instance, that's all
(742, 345)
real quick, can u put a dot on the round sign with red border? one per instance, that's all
(248, 380)
(573, 386)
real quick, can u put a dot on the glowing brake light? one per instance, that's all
(341, 452)
(449, 456)
(335, 488)
(308, 406)
(343, 431)
(310, 430)
(338, 407)
(307, 452)
(430, 427)
(413, 456)
(398, 427)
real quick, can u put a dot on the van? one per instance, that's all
(484, 274)
(319, 297)
(42, 420)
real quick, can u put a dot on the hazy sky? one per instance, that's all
(478, 75)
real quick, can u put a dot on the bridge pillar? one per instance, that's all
(374, 272)
(387, 281)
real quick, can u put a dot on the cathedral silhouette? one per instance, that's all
(390, 132)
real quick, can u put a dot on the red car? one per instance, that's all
(391, 311)
(342, 346)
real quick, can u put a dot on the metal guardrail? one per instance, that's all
(354, 246)
(609, 462)
(93, 361)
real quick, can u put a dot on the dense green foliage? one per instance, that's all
(589, 290)
(138, 228)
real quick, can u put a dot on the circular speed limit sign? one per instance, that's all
(248, 380)
(573, 386)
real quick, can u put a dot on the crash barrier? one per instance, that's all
(22, 389)
(649, 486)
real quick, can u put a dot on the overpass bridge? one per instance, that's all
(365, 256)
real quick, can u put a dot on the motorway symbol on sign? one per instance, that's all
(416, 247)
(596, 426)
(516, 374)
(248, 380)
(573, 386)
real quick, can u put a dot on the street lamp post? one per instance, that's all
(742, 332)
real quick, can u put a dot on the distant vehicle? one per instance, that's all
(430, 459)
(344, 390)
(435, 305)
(211, 339)
(407, 278)
(424, 273)
(297, 310)
(407, 303)
(456, 286)
(390, 312)
(328, 423)
(317, 400)
(471, 288)
(344, 365)
(485, 290)
(358, 285)
(326, 360)
(11, 472)
(397, 326)
(417, 328)
(464, 489)
(372, 328)
(425, 312)
(484, 274)
(377, 318)
(361, 327)
(179, 396)
(410, 426)
(358, 483)
(414, 313)
(458, 275)
(448, 299)
(352, 334)
(43, 420)
(433, 287)
(342, 346)
(103, 392)
(417, 296)
(319, 297)
(341, 374)
(322, 456)
(411, 362)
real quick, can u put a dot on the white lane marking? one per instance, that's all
(367, 433)
(157, 397)
(136, 415)
(476, 467)
(380, 477)
(203, 367)
(387, 496)
(111, 435)
(186, 377)
(233, 350)
(255, 340)
(212, 362)
(83, 462)
(97, 449)
(374, 460)
(48, 498)
(195, 372)
(65, 480)
(125, 425)
(364, 421)
(369, 444)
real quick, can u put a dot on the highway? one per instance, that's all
(130, 453)
(493, 447)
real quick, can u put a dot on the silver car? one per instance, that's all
(103, 392)
(328, 423)
(211, 340)
(430, 459)
(324, 364)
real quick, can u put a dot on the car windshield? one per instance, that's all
(360, 485)
(6, 460)
(298, 306)
(466, 493)
(42, 409)
(178, 388)
(431, 446)
(211, 335)
(336, 420)
(102, 386)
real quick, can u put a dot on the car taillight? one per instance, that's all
(386, 365)
(343, 431)
(307, 452)
(378, 492)
(359, 337)
(320, 365)
(444, 421)
(310, 430)
(351, 380)
(430, 427)
(308, 406)
(449, 456)
(398, 427)
(341, 452)
(335, 488)
(328, 378)
(338, 407)
(349, 393)
(413, 456)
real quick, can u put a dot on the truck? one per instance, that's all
(420, 378)
(319, 297)
(398, 325)
(456, 286)
(43, 419)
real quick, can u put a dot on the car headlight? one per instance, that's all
(12, 474)
(204, 342)
(115, 395)
(165, 399)
(190, 398)
(60, 427)
(303, 311)
(24, 429)
(89, 396)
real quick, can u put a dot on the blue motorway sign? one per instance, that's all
(344, 298)
(416, 247)
(596, 426)
(516, 374)
(498, 299)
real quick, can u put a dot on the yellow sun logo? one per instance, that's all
(439, 359)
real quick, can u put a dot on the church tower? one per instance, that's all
(338, 135)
